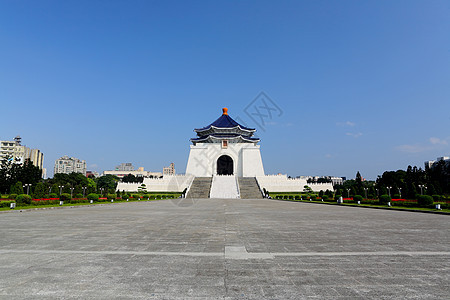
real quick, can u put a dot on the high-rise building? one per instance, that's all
(169, 170)
(69, 165)
(18, 153)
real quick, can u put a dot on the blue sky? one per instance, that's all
(361, 85)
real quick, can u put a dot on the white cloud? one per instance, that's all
(437, 141)
(434, 144)
(355, 135)
(346, 123)
(93, 166)
(412, 148)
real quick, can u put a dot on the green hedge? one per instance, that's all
(357, 198)
(6, 203)
(23, 199)
(65, 197)
(93, 196)
(384, 199)
(425, 200)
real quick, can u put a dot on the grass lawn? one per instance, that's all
(371, 205)
(75, 204)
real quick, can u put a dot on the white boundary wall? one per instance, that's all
(169, 183)
(281, 183)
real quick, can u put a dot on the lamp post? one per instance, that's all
(71, 192)
(378, 193)
(400, 192)
(101, 191)
(421, 188)
(365, 190)
(27, 185)
(60, 189)
(348, 193)
(84, 191)
(49, 190)
(389, 190)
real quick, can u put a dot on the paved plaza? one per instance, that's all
(223, 249)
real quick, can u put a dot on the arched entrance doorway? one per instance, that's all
(224, 165)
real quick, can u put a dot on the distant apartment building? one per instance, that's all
(125, 167)
(92, 174)
(69, 165)
(429, 164)
(18, 153)
(129, 169)
(170, 170)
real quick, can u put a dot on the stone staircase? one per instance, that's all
(249, 188)
(200, 188)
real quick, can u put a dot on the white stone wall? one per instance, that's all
(169, 183)
(281, 184)
(246, 157)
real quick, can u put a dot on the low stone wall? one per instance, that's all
(169, 183)
(281, 184)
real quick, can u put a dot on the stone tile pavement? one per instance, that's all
(223, 249)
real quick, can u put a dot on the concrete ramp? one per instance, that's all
(224, 186)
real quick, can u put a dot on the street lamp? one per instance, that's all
(348, 193)
(84, 190)
(71, 192)
(389, 190)
(365, 190)
(27, 185)
(101, 191)
(421, 188)
(378, 193)
(400, 192)
(60, 189)
(49, 190)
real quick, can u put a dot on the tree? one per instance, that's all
(39, 190)
(17, 188)
(108, 182)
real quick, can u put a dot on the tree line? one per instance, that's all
(401, 184)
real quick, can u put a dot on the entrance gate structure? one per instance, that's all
(225, 148)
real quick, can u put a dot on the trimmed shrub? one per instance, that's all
(23, 199)
(79, 196)
(93, 196)
(357, 198)
(337, 197)
(384, 199)
(437, 198)
(65, 197)
(425, 200)
(396, 196)
(325, 198)
(111, 196)
(12, 196)
(53, 195)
